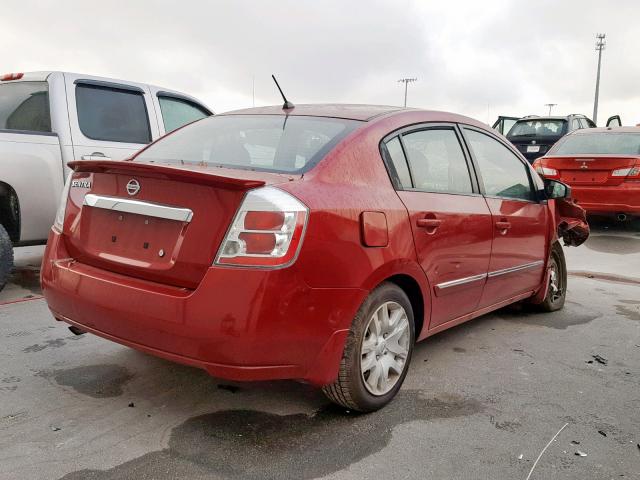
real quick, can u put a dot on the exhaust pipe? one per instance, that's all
(76, 331)
(621, 217)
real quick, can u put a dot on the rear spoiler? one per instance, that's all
(200, 174)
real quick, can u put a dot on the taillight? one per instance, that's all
(62, 206)
(266, 232)
(11, 76)
(626, 172)
(544, 171)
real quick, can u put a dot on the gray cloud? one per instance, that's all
(477, 58)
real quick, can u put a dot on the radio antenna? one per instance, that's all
(287, 104)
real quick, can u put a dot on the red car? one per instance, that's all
(315, 243)
(602, 166)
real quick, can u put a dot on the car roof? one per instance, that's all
(607, 130)
(335, 110)
(536, 117)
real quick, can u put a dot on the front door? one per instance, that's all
(450, 220)
(519, 220)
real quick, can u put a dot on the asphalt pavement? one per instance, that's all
(481, 400)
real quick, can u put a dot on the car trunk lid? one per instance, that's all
(591, 169)
(156, 222)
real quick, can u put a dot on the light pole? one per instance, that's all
(406, 82)
(600, 44)
(550, 105)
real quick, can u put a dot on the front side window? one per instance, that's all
(437, 162)
(177, 112)
(112, 115)
(25, 106)
(278, 143)
(502, 172)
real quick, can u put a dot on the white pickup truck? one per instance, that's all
(50, 118)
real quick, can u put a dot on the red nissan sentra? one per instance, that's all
(315, 243)
(602, 166)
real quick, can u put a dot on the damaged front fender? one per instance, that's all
(571, 220)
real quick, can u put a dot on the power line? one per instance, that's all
(600, 45)
(406, 82)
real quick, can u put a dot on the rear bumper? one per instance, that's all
(623, 198)
(238, 324)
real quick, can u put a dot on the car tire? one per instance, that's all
(380, 342)
(6, 257)
(557, 288)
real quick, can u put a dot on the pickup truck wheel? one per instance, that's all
(557, 289)
(377, 351)
(6, 257)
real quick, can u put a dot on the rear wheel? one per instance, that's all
(377, 352)
(557, 288)
(6, 257)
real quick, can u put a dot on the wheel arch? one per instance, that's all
(10, 211)
(407, 275)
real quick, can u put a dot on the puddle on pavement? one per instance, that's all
(613, 244)
(630, 311)
(251, 444)
(572, 314)
(97, 381)
(27, 278)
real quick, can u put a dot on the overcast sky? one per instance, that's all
(479, 58)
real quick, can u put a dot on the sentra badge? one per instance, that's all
(81, 183)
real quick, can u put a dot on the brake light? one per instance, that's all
(626, 172)
(544, 171)
(62, 206)
(11, 76)
(266, 232)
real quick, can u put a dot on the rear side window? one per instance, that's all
(277, 143)
(25, 106)
(502, 172)
(397, 158)
(112, 115)
(437, 162)
(177, 112)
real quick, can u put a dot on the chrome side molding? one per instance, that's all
(461, 281)
(526, 266)
(138, 207)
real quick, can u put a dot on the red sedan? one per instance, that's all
(602, 166)
(315, 243)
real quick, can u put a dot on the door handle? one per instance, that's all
(503, 226)
(428, 222)
(95, 156)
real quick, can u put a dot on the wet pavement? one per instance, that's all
(480, 401)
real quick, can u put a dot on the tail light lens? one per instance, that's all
(266, 232)
(11, 76)
(626, 172)
(545, 171)
(62, 206)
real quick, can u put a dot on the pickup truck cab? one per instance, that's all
(50, 118)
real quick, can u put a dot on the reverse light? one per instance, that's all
(266, 232)
(62, 206)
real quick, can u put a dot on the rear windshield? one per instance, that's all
(598, 144)
(538, 128)
(258, 142)
(25, 106)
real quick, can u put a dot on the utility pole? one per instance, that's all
(550, 105)
(600, 44)
(406, 82)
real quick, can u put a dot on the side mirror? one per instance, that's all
(556, 189)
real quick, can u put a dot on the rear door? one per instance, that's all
(109, 120)
(175, 110)
(519, 220)
(450, 220)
